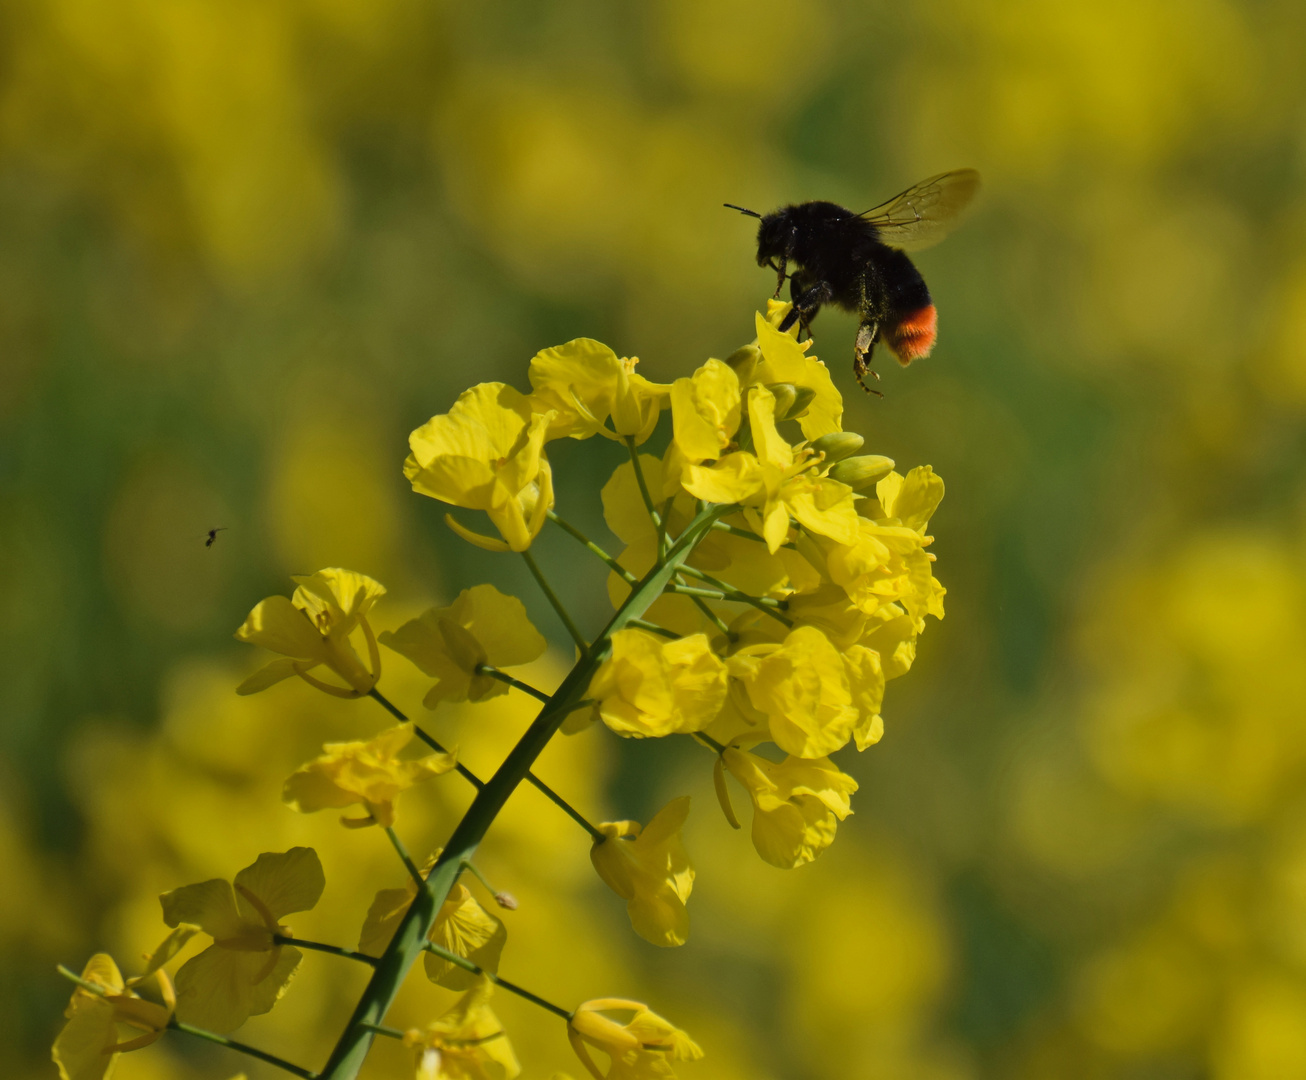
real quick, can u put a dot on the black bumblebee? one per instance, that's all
(857, 262)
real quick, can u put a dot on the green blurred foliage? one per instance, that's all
(246, 247)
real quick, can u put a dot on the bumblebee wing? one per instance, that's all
(923, 214)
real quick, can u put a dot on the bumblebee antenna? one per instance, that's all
(750, 213)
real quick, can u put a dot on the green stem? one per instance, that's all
(475, 780)
(241, 1048)
(664, 516)
(643, 486)
(428, 738)
(381, 1029)
(734, 530)
(613, 565)
(512, 988)
(708, 741)
(410, 936)
(407, 859)
(317, 946)
(538, 574)
(476, 873)
(768, 604)
(716, 619)
(653, 628)
(504, 677)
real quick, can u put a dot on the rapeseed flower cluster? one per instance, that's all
(773, 578)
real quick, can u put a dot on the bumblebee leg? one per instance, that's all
(807, 302)
(780, 279)
(867, 335)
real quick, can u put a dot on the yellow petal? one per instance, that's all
(284, 881)
(269, 675)
(485, 543)
(221, 988)
(209, 905)
(79, 1049)
(465, 928)
(276, 624)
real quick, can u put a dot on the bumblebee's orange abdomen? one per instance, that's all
(913, 337)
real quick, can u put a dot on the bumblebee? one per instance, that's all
(858, 262)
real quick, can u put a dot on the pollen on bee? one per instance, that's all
(913, 337)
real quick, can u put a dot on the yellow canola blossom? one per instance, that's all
(705, 412)
(640, 1049)
(247, 968)
(797, 803)
(88, 1046)
(584, 384)
(312, 628)
(802, 688)
(462, 926)
(785, 360)
(482, 626)
(648, 868)
(486, 453)
(369, 773)
(466, 1043)
(773, 480)
(650, 686)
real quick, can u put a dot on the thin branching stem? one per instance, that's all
(381, 1029)
(654, 628)
(707, 740)
(404, 857)
(612, 563)
(318, 946)
(241, 1048)
(475, 780)
(552, 597)
(427, 738)
(643, 484)
(716, 619)
(512, 988)
(508, 680)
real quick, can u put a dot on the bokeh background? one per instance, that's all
(245, 247)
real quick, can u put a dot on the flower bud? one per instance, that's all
(803, 398)
(861, 472)
(786, 395)
(744, 362)
(837, 445)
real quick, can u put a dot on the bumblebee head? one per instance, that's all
(775, 235)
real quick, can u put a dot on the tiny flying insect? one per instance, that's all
(213, 535)
(857, 262)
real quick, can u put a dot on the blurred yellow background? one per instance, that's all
(247, 246)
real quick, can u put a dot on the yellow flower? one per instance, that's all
(369, 773)
(246, 969)
(912, 499)
(784, 360)
(797, 804)
(640, 1049)
(650, 686)
(648, 868)
(802, 688)
(482, 626)
(462, 926)
(88, 1046)
(486, 454)
(705, 412)
(312, 628)
(888, 573)
(866, 681)
(583, 383)
(774, 481)
(466, 1043)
